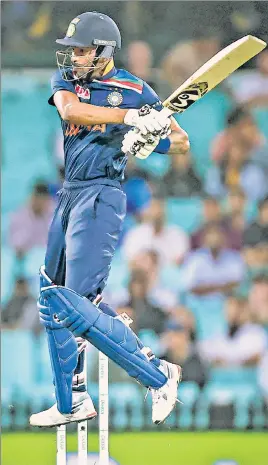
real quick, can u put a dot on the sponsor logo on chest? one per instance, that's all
(81, 92)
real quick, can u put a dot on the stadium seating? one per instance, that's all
(188, 394)
(119, 273)
(156, 165)
(32, 262)
(202, 129)
(17, 365)
(185, 213)
(229, 386)
(8, 266)
(27, 387)
(150, 339)
(209, 315)
(261, 118)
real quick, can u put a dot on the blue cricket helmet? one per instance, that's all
(92, 29)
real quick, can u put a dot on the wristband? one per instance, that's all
(163, 146)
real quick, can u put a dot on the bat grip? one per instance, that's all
(166, 112)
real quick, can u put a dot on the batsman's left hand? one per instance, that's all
(134, 143)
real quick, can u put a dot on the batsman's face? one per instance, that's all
(82, 60)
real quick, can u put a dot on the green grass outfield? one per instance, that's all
(157, 448)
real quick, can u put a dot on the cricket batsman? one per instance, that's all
(106, 113)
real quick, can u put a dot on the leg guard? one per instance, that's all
(62, 349)
(79, 378)
(108, 334)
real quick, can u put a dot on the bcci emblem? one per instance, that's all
(72, 27)
(115, 99)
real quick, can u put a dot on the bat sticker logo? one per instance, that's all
(188, 96)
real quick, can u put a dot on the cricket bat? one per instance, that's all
(212, 73)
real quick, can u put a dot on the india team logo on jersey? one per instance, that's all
(81, 92)
(115, 99)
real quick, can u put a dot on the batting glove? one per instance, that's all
(134, 143)
(148, 120)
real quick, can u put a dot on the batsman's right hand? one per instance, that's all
(148, 120)
(134, 143)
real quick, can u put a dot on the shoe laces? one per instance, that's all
(157, 395)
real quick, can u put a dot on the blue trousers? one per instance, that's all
(83, 235)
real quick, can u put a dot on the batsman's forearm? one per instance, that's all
(87, 115)
(179, 143)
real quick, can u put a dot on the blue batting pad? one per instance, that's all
(108, 334)
(62, 350)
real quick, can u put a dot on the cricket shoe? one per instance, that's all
(82, 409)
(165, 398)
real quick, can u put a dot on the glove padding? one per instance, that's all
(149, 121)
(134, 143)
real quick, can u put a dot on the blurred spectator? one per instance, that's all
(21, 311)
(140, 62)
(213, 268)
(159, 293)
(140, 307)
(148, 262)
(138, 195)
(253, 84)
(233, 223)
(235, 217)
(133, 170)
(237, 170)
(258, 230)
(136, 188)
(181, 180)
(241, 129)
(235, 227)
(256, 259)
(184, 58)
(258, 299)
(211, 213)
(255, 250)
(179, 350)
(169, 241)
(235, 202)
(245, 343)
(29, 225)
(184, 317)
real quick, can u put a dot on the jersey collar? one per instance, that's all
(109, 71)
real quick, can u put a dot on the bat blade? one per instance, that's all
(212, 73)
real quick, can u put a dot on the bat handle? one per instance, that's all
(166, 112)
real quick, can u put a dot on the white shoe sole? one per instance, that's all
(84, 414)
(89, 416)
(178, 377)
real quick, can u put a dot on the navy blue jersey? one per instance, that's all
(95, 151)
